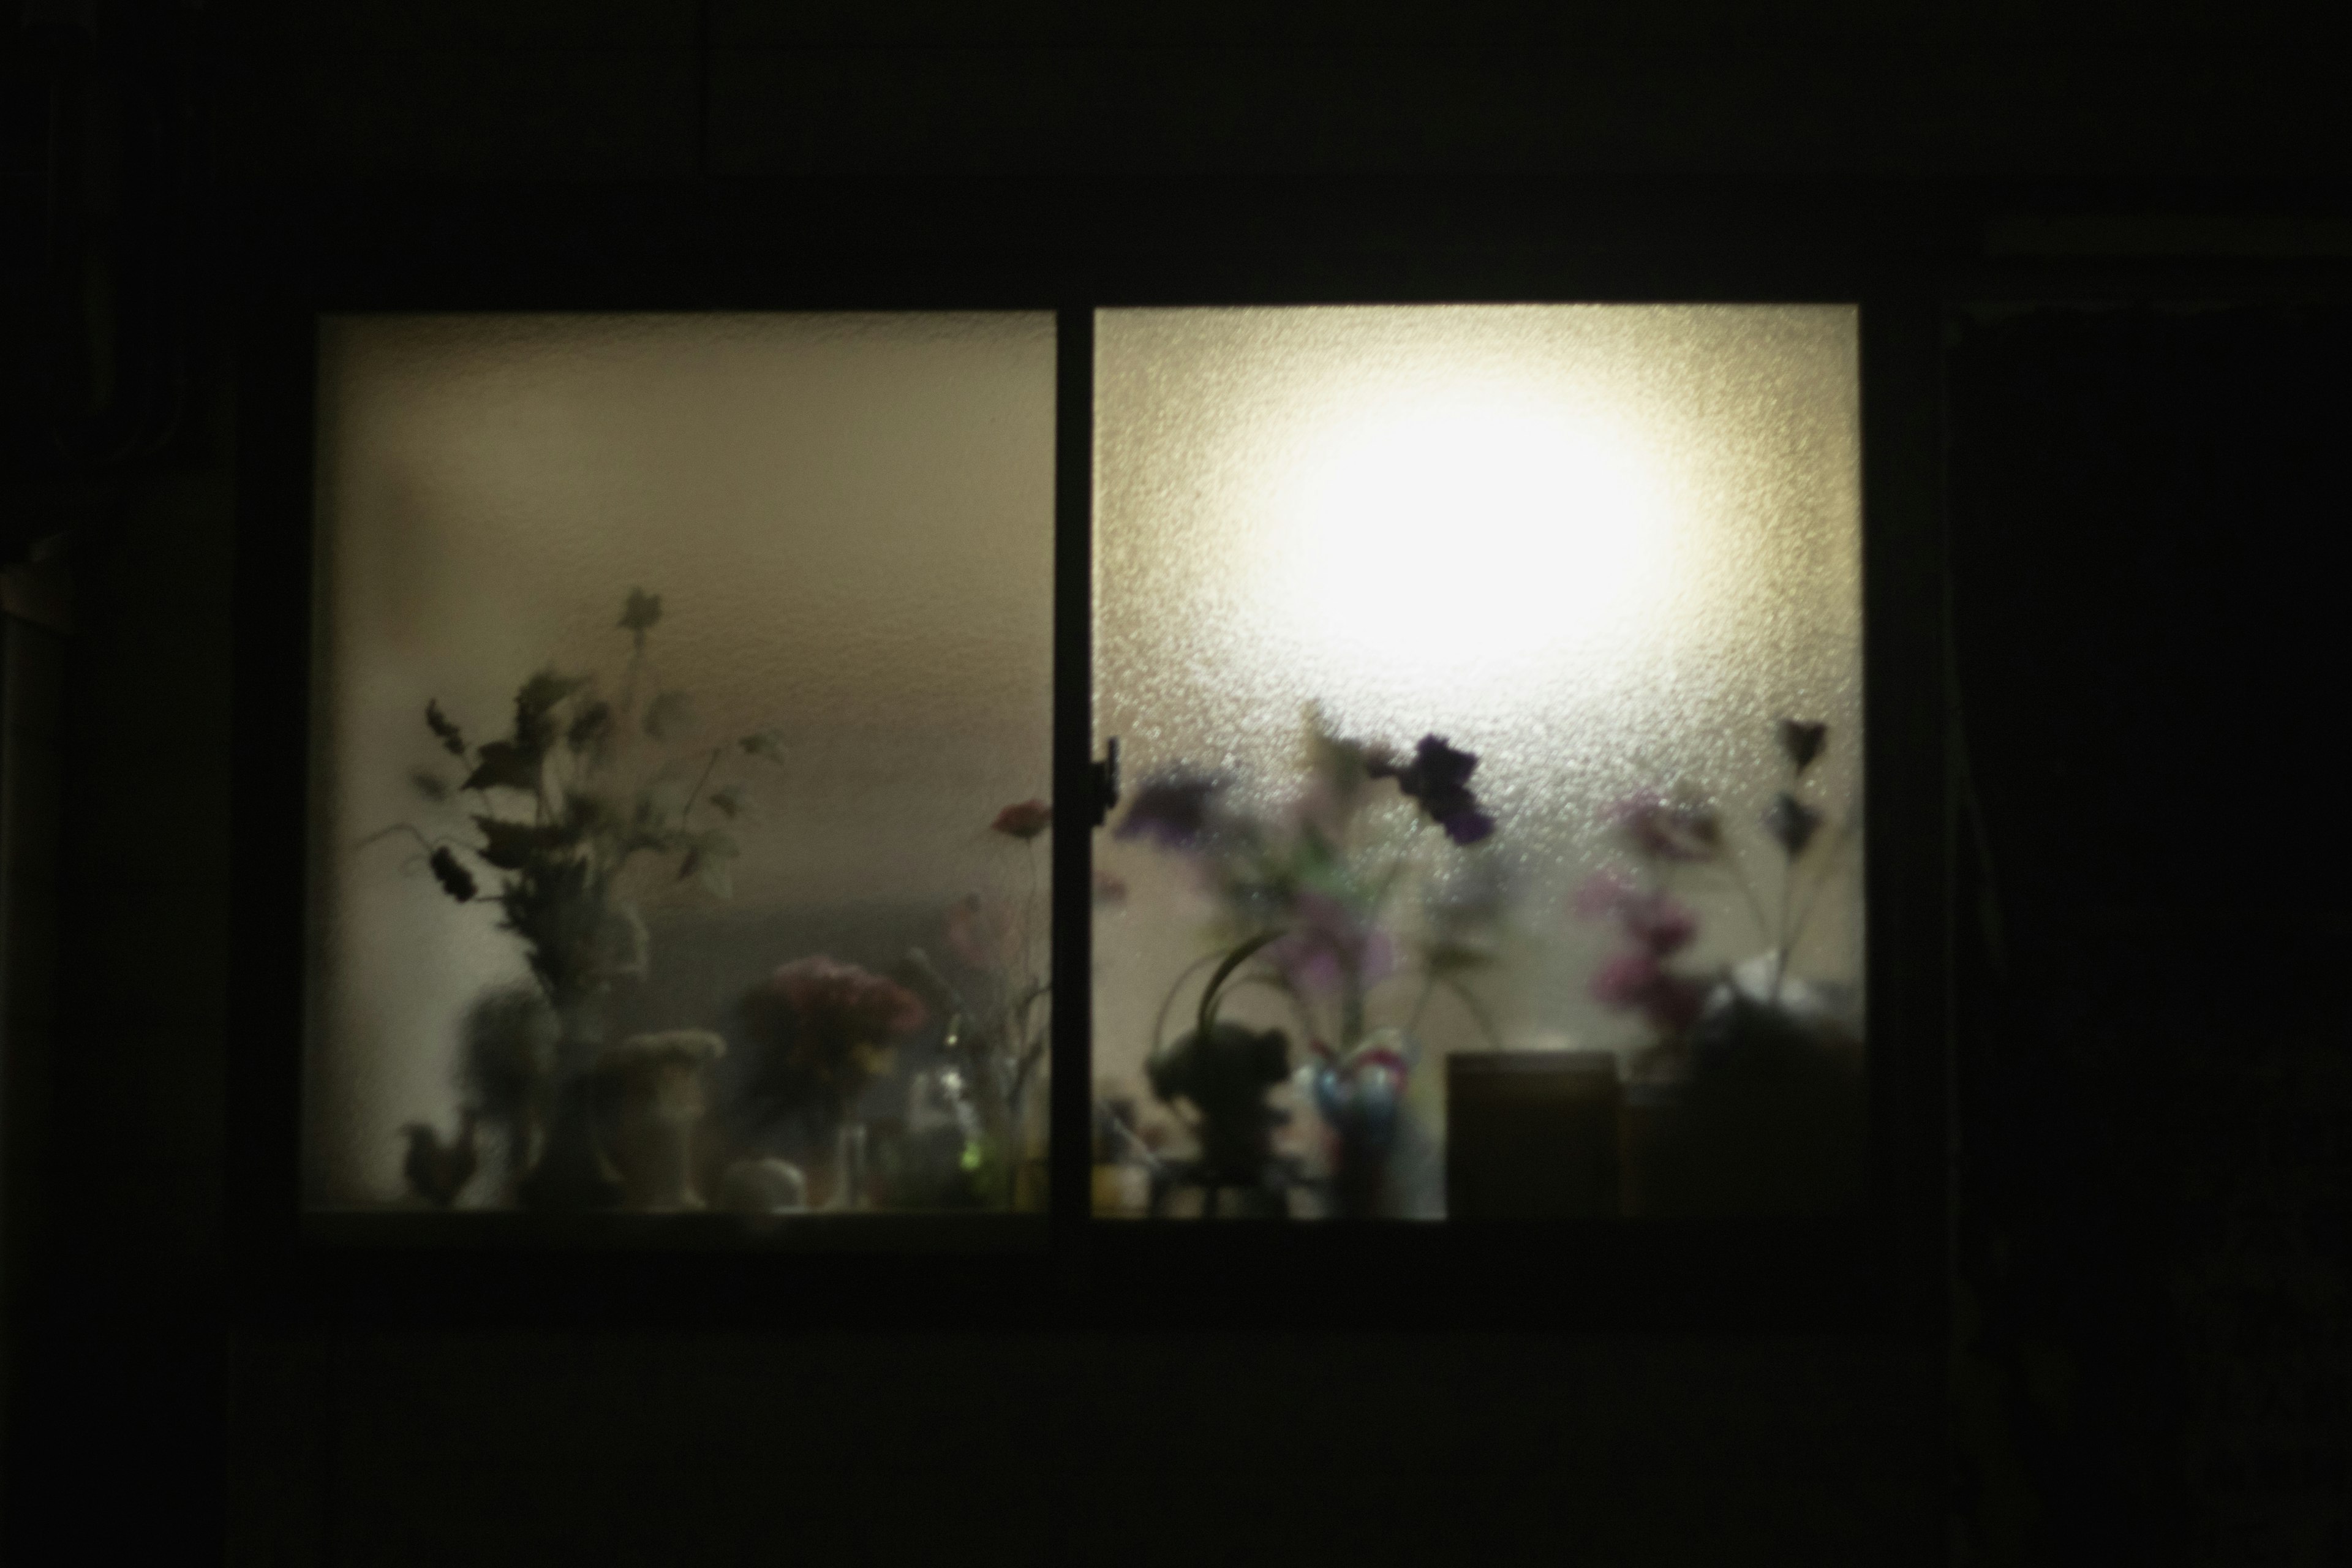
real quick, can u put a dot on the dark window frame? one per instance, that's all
(1020, 248)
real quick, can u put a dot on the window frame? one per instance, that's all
(1074, 252)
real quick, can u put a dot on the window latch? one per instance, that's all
(1104, 776)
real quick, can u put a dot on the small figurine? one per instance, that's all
(438, 1171)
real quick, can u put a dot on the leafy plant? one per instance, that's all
(581, 784)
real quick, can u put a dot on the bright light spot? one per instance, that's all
(1463, 533)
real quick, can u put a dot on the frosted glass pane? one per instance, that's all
(792, 577)
(1604, 550)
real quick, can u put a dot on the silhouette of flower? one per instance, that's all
(1803, 742)
(1792, 822)
(1438, 776)
(1668, 829)
(1023, 820)
(1172, 810)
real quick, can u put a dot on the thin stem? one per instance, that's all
(696, 792)
(1421, 1003)
(1478, 1012)
(1821, 880)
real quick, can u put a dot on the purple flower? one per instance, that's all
(1792, 822)
(1172, 809)
(1668, 830)
(1439, 778)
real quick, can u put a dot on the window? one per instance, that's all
(1170, 756)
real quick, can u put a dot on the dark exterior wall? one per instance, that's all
(139, 1409)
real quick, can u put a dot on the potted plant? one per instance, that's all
(1309, 899)
(1750, 1096)
(542, 822)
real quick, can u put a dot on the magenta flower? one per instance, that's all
(1172, 809)
(1636, 979)
(1625, 980)
(1668, 830)
(1602, 892)
(1655, 920)
(1659, 923)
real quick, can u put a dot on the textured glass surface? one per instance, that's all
(846, 521)
(1603, 548)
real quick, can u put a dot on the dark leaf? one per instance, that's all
(455, 880)
(590, 727)
(545, 689)
(514, 845)
(430, 784)
(728, 800)
(1792, 822)
(668, 714)
(452, 741)
(503, 765)
(642, 612)
(767, 743)
(1803, 742)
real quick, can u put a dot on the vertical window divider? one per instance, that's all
(1071, 1107)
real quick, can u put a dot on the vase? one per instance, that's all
(1360, 1108)
(650, 1097)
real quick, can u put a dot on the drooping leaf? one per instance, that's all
(455, 880)
(768, 744)
(503, 765)
(729, 799)
(587, 815)
(669, 715)
(641, 614)
(452, 740)
(591, 727)
(429, 784)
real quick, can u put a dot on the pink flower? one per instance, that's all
(1668, 829)
(1023, 820)
(835, 997)
(1654, 919)
(1626, 979)
(1634, 979)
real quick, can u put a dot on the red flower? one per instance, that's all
(1023, 820)
(836, 998)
